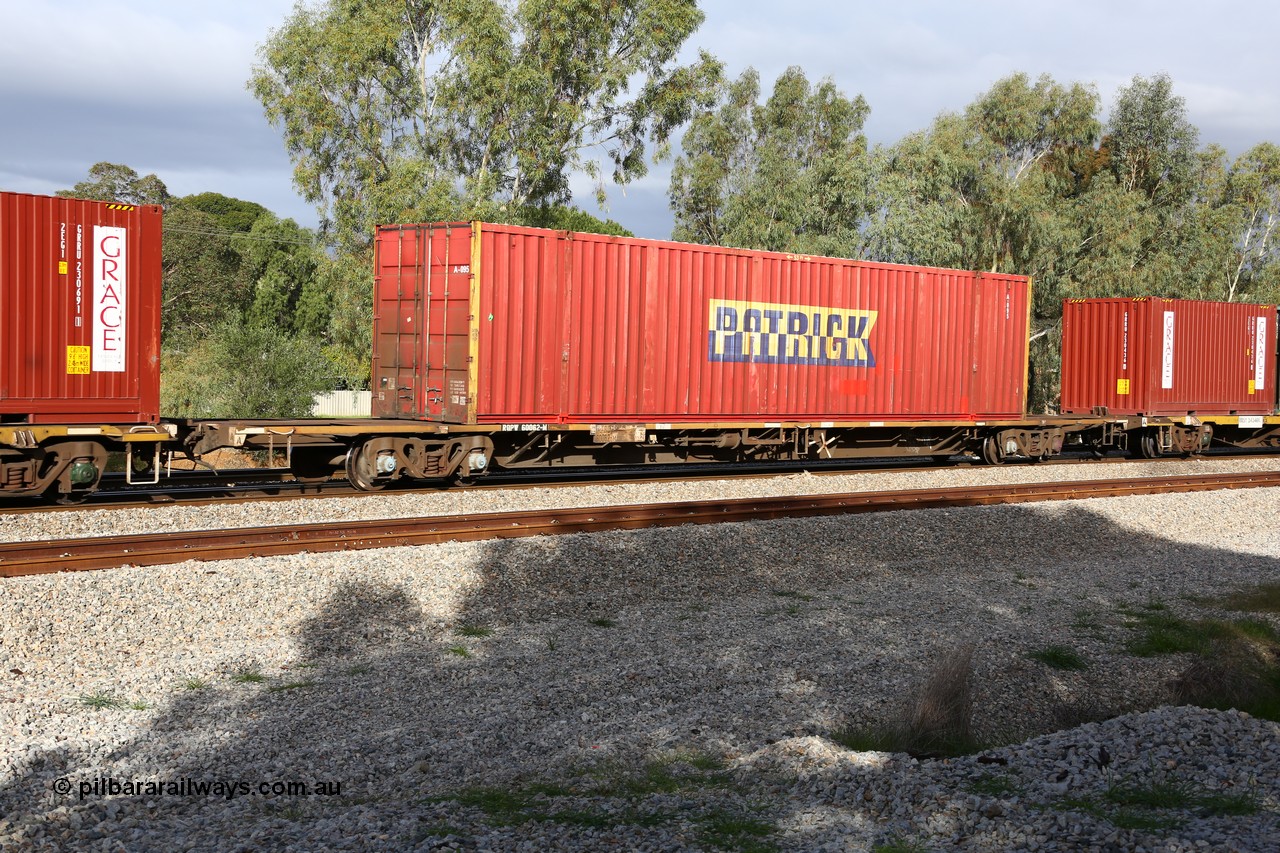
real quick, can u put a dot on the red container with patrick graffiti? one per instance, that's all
(478, 323)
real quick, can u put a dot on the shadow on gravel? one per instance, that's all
(635, 668)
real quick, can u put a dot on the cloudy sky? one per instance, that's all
(160, 85)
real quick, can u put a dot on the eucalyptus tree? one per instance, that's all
(1253, 192)
(422, 109)
(788, 174)
(996, 188)
(118, 182)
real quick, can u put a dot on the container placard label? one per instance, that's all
(1122, 387)
(1260, 355)
(110, 270)
(77, 360)
(1166, 352)
(778, 333)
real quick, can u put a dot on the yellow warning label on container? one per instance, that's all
(77, 359)
(1253, 387)
(62, 267)
(1122, 386)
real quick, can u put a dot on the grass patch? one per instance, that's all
(473, 631)
(1227, 805)
(580, 803)
(500, 805)
(359, 669)
(249, 677)
(867, 739)
(439, 830)
(1059, 657)
(898, 845)
(938, 721)
(1153, 795)
(195, 684)
(290, 685)
(1237, 661)
(735, 832)
(993, 786)
(603, 622)
(679, 770)
(460, 651)
(539, 803)
(1240, 672)
(1264, 598)
(99, 700)
(139, 705)
(1086, 620)
(1147, 806)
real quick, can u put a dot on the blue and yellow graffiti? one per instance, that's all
(774, 333)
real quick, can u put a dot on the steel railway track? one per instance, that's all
(28, 558)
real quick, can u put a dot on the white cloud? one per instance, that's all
(137, 52)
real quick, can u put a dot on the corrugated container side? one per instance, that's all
(587, 328)
(79, 310)
(1168, 357)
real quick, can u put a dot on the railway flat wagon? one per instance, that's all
(79, 336)
(494, 324)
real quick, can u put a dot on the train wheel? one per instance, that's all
(1149, 445)
(991, 453)
(360, 469)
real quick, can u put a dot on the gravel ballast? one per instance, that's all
(654, 690)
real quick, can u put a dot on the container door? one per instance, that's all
(422, 323)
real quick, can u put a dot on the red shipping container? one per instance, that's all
(79, 311)
(1168, 357)
(479, 323)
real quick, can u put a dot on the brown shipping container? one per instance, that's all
(479, 323)
(79, 311)
(1168, 357)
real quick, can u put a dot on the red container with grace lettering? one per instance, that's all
(79, 311)
(1168, 357)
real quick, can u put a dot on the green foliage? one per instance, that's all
(204, 282)
(1153, 804)
(100, 700)
(290, 685)
(232, 214)
(116, 182)
(564, 218)
(790, 174)
(244, 370)
(413, 111)
(1059, 657)
(1027, 180)
(249, 676)
(341, 302)
(1151, 146)
(1263, 598)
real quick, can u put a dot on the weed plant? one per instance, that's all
(1060, 657)
(99, 700)
(939, 719)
